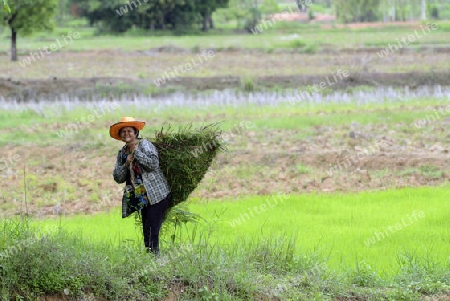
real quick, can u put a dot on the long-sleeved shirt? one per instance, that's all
(154, 181)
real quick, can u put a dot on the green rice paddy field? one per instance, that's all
(341, 227)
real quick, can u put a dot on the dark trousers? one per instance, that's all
(152, 218)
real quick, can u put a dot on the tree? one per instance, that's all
(63, 10)
(6, 8)
(423, 10)
(269, 7)
(121, 15)
(207, 8)
(343, 10)
(110, 15)
(357, 10)
(28, 16)
(246, 13)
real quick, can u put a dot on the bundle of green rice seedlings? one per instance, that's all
(185, 156)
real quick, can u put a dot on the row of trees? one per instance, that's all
(388, 10)
(120, 15)
(26, 16)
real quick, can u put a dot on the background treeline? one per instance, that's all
(120, 15)
(183, 15)
(390, 10)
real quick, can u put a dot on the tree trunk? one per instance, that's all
(204, 21)
(423, 14)
(205, 24)
(411, 13)
(394, 14)
(13, 45)
(162, 20)
(211, 23)
(61, 11)
(347, 14)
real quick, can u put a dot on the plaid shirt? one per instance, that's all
(153, 179)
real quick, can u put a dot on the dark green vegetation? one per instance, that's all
(182, 17)
(186, 155)
(195, 17)
(120, 16)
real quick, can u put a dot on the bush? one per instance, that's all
(57, 262)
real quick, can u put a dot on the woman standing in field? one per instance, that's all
(146, 187)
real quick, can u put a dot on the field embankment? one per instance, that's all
(29, 89)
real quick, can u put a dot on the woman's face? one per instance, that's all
(127, 134)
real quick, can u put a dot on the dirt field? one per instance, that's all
(277, 161)
(73, 72)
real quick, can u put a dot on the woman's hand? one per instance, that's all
(133, 145)
(130, 159)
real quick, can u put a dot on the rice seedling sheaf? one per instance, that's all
(185, 156)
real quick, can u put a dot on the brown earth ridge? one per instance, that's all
(30, 89)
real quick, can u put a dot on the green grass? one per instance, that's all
(309, 34)
(46, 127)
(312, 241)
(337, 226)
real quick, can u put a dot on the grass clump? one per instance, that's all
(37, 262)
(248, 84)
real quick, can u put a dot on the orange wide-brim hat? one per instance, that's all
(124, 122)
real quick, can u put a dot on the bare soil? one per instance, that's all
(74, 73)
(28, 90)
(71, 179)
